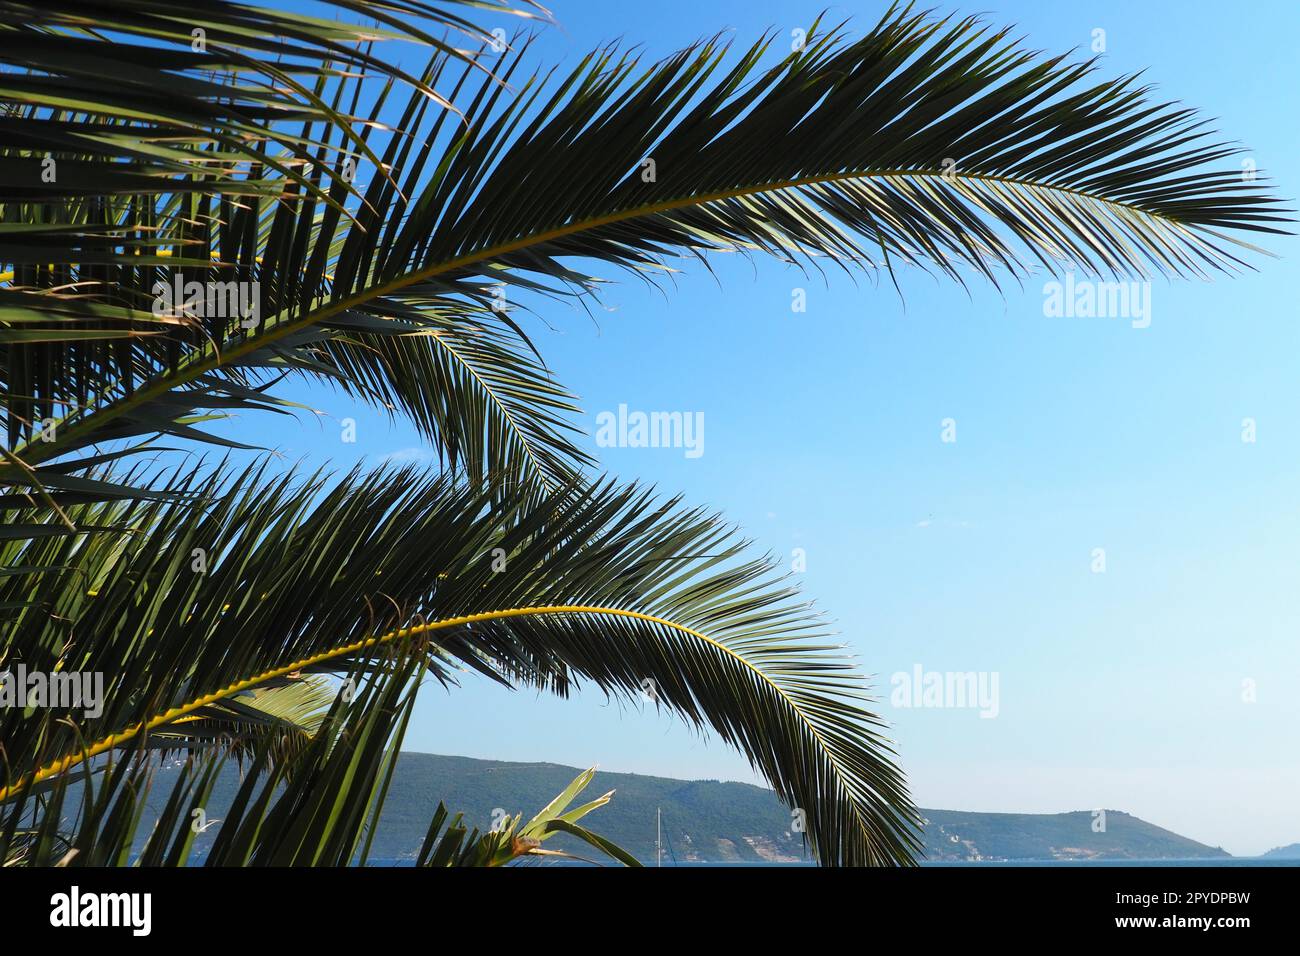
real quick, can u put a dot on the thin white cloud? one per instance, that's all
(406, 456)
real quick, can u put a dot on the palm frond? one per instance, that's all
(595, 582)
(472, 383)
(933, 142)
(929, 142)
(144, 153)
(287, 713)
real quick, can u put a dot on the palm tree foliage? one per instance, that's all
(600, 582)
(379, 220)
(450, 843)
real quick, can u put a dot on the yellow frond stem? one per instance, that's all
(105, 744)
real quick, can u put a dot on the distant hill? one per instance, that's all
(708, 820)
(957, 835)
(1289, 852)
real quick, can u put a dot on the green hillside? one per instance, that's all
(956, 835)
(1289, 852)
(703, 819)
(708, 820)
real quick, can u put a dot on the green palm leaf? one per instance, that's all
(600, 583)
(935, 143)
(450, 843)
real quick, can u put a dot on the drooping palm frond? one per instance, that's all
(601, 583)
(936, 142)
(469, 381)
(932, 142)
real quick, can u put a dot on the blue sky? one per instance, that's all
(823, 432)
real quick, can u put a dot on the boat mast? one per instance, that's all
(659, 837)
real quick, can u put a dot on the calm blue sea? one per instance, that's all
(1237, 861)
(1213, 861)
(1217, 861)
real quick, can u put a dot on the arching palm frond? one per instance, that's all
(938, 143)
(297, 576)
